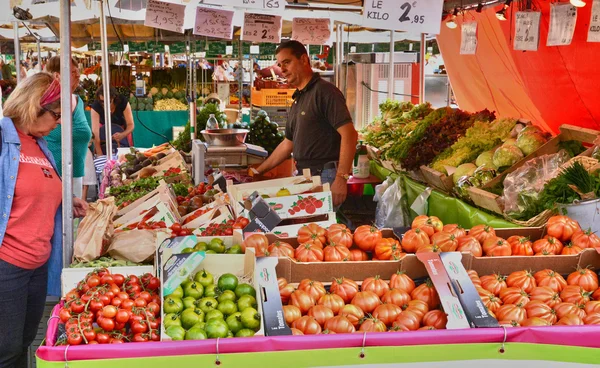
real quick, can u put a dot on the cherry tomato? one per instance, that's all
(102, 338)
(86, 297)
(118, 279)
(74, 339)
(116, 341)
(93, 342)
(93, 281)
(120, 325)
(156, 299)
(139, 327)
(127, 304)
(109, 311)
(140, 302)
(132, 279)
(86, 316)
(140, 337)
(122, 295)
(64, 314)
(122, 316)
(116, 302)
(134, 288)
(96, 305)
(114, 288)
(89, 334)
(107, 324)
(153, 283)
(71, 295)
(146, 296)
(107, 279)
(102, 271)
(153, 308)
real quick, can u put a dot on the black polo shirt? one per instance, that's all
(318, 110)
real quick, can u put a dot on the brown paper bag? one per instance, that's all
(95, 230)
(136, 245)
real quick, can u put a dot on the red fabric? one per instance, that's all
(551, 87)
(38, 194)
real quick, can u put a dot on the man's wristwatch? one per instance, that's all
(343, 176)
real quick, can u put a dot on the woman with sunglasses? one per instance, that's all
(82, 129)
(121, 118)
(30, 213)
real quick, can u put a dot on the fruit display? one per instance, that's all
(111, 308)
(103, 262)
(214, 246)
(141, 104)
(542, 298)
(376, 305)
(170, 104)
(264, 133)
(225, 229)
(206, 307)
(136, 161)
(196, 198)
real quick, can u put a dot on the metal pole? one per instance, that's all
(422, 69)
(105, 81)
(39, 52)
(338, 54)
(191, 86)
(241, 73)
(17, 51)
(66, 129)
(391, 68)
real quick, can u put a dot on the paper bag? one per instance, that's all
(95, 230)
(136, 245)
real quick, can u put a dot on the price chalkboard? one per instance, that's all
(164, 15)
(154, 46)
(216, 48)
(416, 16)
(213, 22)
(137, 46)
(261, 28)
(311, 31)
(115, 47)
(177, 48)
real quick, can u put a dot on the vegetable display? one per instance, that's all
(104, 262)
(264, 133)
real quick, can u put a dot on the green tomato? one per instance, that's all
(185, 283)
(207, 304)
(235, 249)
(189, 302)
(227, 307)
(210, 252)
(200, 246)
(245, 302)
(245, 289)
(204, 278)
(214, 314)
(234, 322)
(178, 293)
(244, 333)
(227, 295)
(172, 305)
(227, 281)
(200, 325)
(191, 316)
(216, 245)
(187, 250)
(195, 333)
(216, 328)
(230, 334)
(175, 332)
(210, 290)
(194, 290)
(251, 319)
(171, 319)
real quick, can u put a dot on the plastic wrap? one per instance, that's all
(522, 186)
(390, 209)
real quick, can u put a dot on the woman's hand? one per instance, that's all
(79, 207)
(118, 136)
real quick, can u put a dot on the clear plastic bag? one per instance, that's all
(596, 153)
(522, 186)
(391, 209)
(381, 188)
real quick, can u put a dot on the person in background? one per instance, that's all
(319, 131)
(121, 116)
(5, 70)
(31, 225)
(23, 70)
(82, 130)
(89, 177)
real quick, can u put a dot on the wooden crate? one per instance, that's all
(437, 179)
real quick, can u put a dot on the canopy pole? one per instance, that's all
(338, 54)
(391, 68)
(105, 81)
(17, 51)
(39, 52)
(66, 128)
(422, 69)
(191, 86)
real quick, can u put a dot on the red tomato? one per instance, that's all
(74, 339)
(116, 302)
(184, 232)
(109, 311)
(118, 279)
(106, 279)
(153, 308)
(107, 324)
(95, 305)
(139, 327)
(64, 314)
(153, 284)
(102, 338)
(146, 296)
(77, 306)
(140, 337)
(93, 281)
(89, 334)
(140, 302)
(127, 304)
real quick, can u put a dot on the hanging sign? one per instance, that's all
(254, 4)
(94, 46)
(137, 46)
(527, 30)
(115, 47)
(163, 15)
(563, 17)
(468, 41)
(416, 16)
(261, 28)
(154, 46)
(311, 31)
(177, 48)
(594, 30)
(214, 22)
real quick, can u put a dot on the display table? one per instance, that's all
(160, 121)
(448, 209)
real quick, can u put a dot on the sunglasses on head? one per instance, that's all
(55, 115)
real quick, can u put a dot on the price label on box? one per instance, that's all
(262, 28)
(163, 15)
(422, 16)
(563, 17)
(311, 31)
(527, 30)
(213, 22)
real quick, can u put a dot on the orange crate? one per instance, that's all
(272, 97)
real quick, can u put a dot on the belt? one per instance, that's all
(327, 166)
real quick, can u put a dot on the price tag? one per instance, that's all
(163, 15)
(416, 16)
(252, 4)
(468, 41)
(311, 31)
(261, 28)
(527, 30)
(594, 30)
(213, 22)
(563, 17)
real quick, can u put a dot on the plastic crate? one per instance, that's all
(277, 114)
(272, 97)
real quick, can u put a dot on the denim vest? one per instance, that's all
(9, 168)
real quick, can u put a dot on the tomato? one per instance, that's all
(372, 325)
(76, 306)
(491, 302)
(592, 307)
(281, 249)
(520, 245)
(139, 327)
(400, 280)
(446, 241)
(585, 239)
(474, 277)
(514, 295)
(345, 288)
(71, 295)
(549, 244)
(64, 314)
(357, 255)
(414, 239)
(431, 248)
(546, 295)
(429, 224)
(89, 334)
(535, 321)
(496, 247)
(102, 338)
(468, 244)
(564, 308)
(426, 292)
(353, 313)
(316, 289)
(227, 281)
(153, 308)
(291, 313)
(339, 324)
(309, 252)
(127, 304)
(340, 234)
(107, 279)
(334, 252)
(493, 283)
(366, 300)
(398, 297)
(177, 333)
(307, 325)
(562, 227)
(376, 285)
(482, 233)
(74, 339)
(312, 233)
(332, 301)
(176, 228)
(107, 324)
(388, 248)
(537, 308)
(259, 242)
(592, 319)
(109, 311)
(320, 313)
(93, 281)
(281, 282)
(387, 313)
(570, 319)
(95, 305)
(251, 319)
(302, 300)
(585, 278)
(511, 312)
(366, 237)
(285, 293)
(139, 302)
(551, 279)
(184, 232)
(575, 294)
(435, 318)
(571, 248)
(521, 279)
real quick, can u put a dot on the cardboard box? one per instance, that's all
(262, 217)
(162, 188)
(162, 199)
(269, 188)
(70, 277)
(273, 317)
(290, 207)
(288, 231)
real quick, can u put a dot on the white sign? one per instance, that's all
(563, 17)
(261, 28)
(594, 30)
(527, 30)
(254, 4)
(311, 31)
(163, 15)
(416, 16)
(468, 41)
(213, 22)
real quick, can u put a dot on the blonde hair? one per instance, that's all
(23, 104)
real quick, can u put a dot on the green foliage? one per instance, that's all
(204, 114)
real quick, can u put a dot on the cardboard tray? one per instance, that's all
(437, 179)
(270, 188)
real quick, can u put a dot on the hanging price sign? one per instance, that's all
(311, 31)
(261, 28)
(527, 30)
(163, 15)
(594, 30)
(563, 17)
(254, 4)
(214, 22)
(416, 16)
(468, 41)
